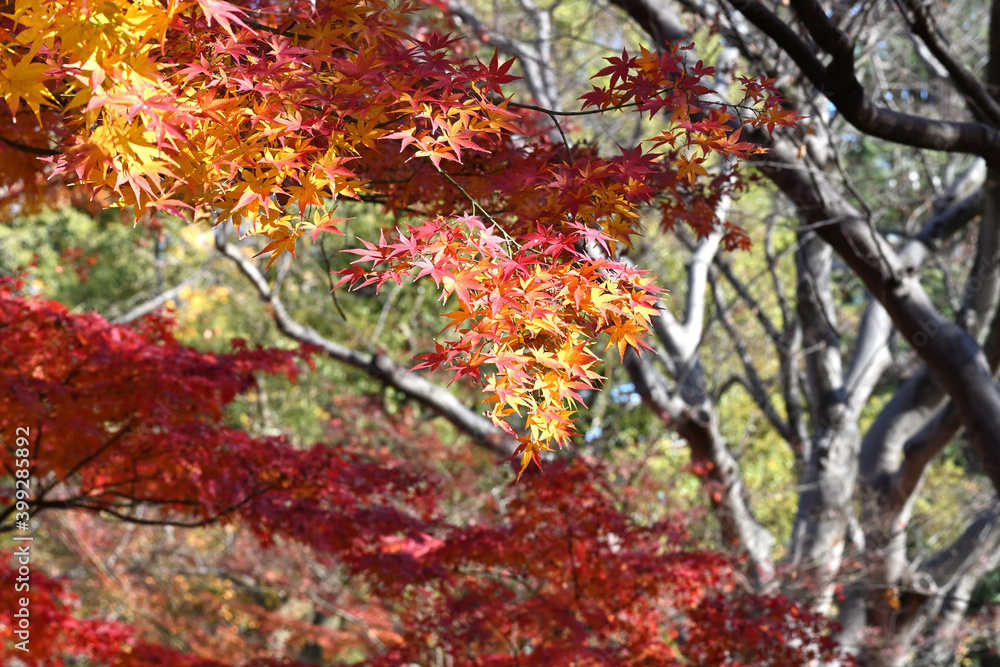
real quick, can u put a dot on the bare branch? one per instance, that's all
(159, 300)
(951, 354)
(922, 24)
(753, 382)
(838, 82)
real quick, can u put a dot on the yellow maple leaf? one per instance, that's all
(279, 245)
(689, 168)
(625, 334)
(25, 80)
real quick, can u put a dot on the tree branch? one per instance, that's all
(838, 82)
(697, 423)
(921, 23)
(157, 301)
(754, 384)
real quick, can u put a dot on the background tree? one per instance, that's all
(818, 365)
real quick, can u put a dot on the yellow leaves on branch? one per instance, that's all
(546, 361)
(172, 105)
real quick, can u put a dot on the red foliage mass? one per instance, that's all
(557, 574)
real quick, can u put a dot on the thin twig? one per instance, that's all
(329, 278)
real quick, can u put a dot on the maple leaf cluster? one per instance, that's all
(528, 319)
(268, 113)
(174, 105)
(660, 81)
(702, 127)
(534, 268)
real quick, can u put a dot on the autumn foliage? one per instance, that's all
(557, 574)
(265, 115)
